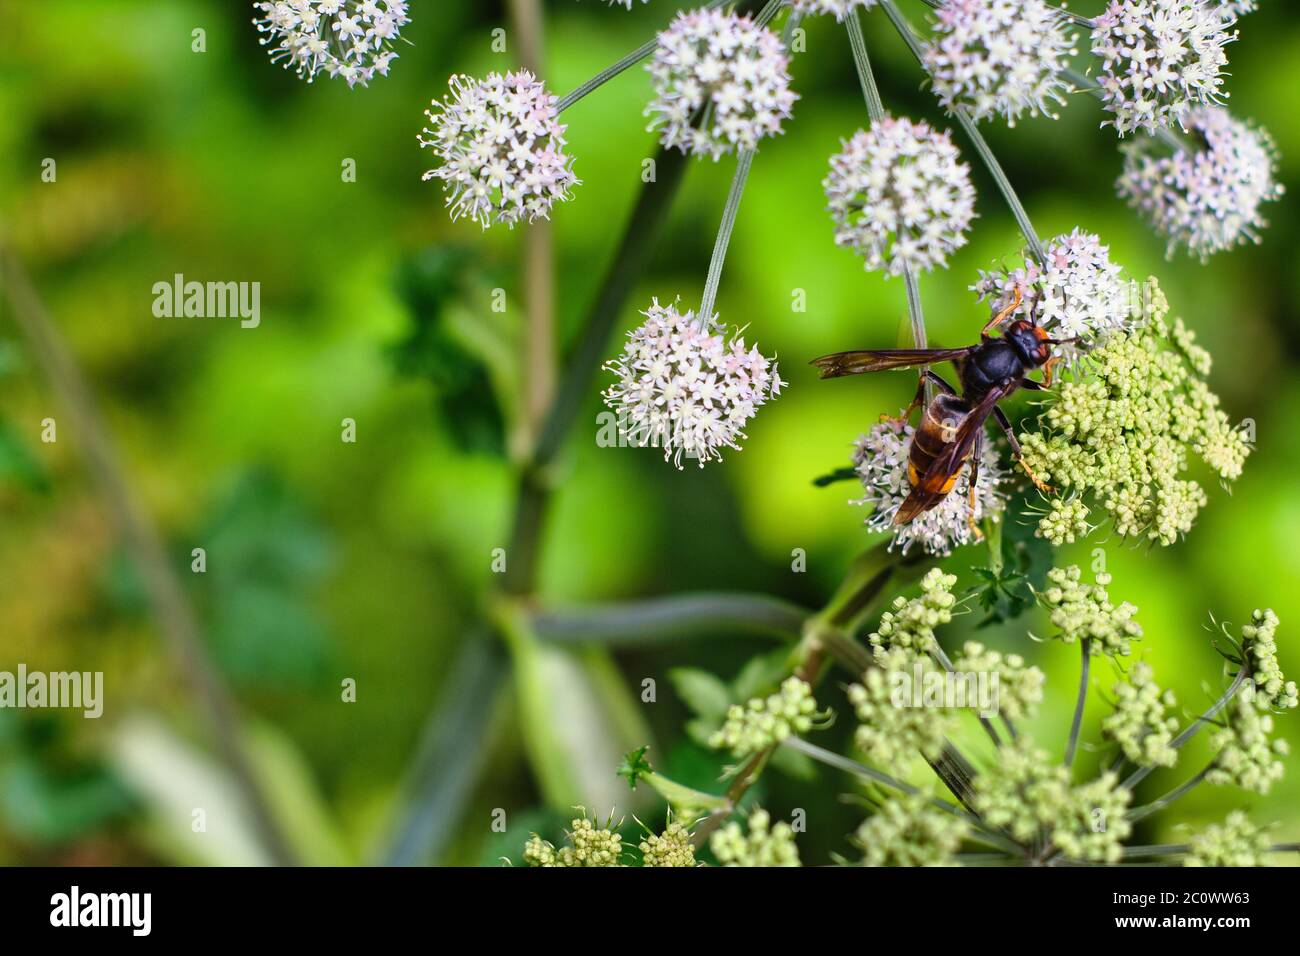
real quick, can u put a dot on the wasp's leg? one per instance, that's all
(919, 398)
(1048, 369)
(1001, 317)
(976, 453)
(1001, 417)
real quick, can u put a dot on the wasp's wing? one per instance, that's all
(852, 363)
(932, 487)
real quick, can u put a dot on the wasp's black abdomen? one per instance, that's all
(994, 362)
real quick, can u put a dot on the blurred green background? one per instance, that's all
(369, 561)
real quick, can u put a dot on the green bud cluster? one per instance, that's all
(910, 624)
(1084, 612)
(1237, 842)
(890, 733)
(1031, 797)
(1124, 434)
(587, 845)
(763, 845)
(1020, 686)
(910, 831)
(1259, 640)
(1248, 757)
(1141, 723)
(670, 848)
(766, 721)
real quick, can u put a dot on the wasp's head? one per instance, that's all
(1030, 341)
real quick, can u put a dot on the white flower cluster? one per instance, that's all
(502, 149)
(1208, 198)
(999, 57)
(1236, 8)
(348, 38)
(1079, 291)
(880, 457)
(687, 389)
(900, 196)
(1159, 59)
(721, 83)
(764, 722)
(841, 8)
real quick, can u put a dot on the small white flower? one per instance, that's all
(880, 457)
(1079, 292)
(348, 38)
(999, 57)
(1206, 198)
(721, 83)
(502, 149)
(1236, 8)
(900, 195)
(1159, 59)
(841, 8)
(687, 389)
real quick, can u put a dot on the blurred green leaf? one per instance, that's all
(17, 463)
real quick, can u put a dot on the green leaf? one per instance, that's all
(704, 693)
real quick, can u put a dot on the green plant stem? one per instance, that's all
(941, 657)
(453, 748)
(744, 161)
(1140, 813)
(839, 762)
(1163, 849)
(1191, 730)
(906, 31)
(177, 622)
(640, 623)
(619, 66)
(1085, 665)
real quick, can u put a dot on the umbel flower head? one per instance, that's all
(999, 57)
(1078, 292)
(763, 845)
(1125, 433)
(1259, 642)
(688, 389)
(880, 458)
(348, 38)
(891, 730)
(1141, 723)
(910, 831)
(502, 149)
(900, 195)
(587, 844)
(1205, 198)
(841, 8)
(1083, 612)
(909, 625)
(1019, 687)
(1159, 59)
(1248, 755)
(671, 848)
(721, 83)
(764, 722)
(1236, 842)
(1029, 794)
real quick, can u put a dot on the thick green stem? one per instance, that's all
(1140, 813)
(638, 623)
(1076, 724)
(1143, 772)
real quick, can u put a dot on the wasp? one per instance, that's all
(951, 432)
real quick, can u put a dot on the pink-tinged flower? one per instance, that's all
(900, 196)
(502, 149)
(999, 57)
(880, 457)
(1160, 58)
(1080, 292)
(348, 38)
(722, 83)
(686, 389)
(1207, 197)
